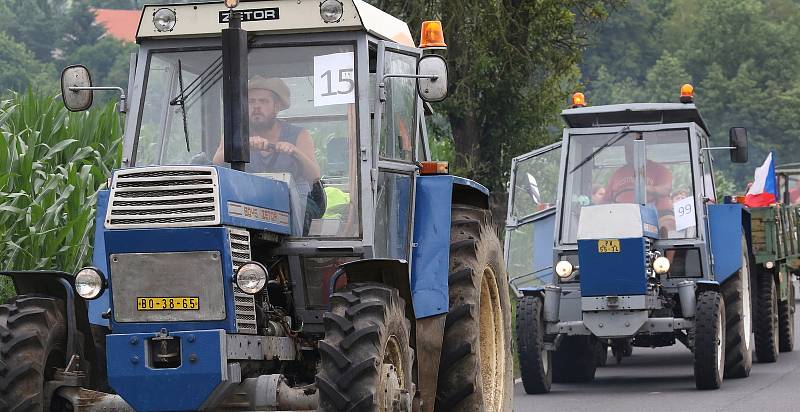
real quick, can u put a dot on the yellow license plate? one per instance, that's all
(167, 303)
(608, 246)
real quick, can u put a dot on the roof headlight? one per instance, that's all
(164, 19)
(661, 265)
(564, 269)
(331, 11)
(90, 283)
(251, 278)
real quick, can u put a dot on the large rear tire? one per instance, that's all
(709, 340)
(786, 325)
(534, 360)
(739, 320)
(574, 361)
(33, 336)
(366, 359)
(476, 367)
(766, 326)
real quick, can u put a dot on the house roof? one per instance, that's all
(119, 24)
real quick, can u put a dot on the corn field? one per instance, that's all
(52, 164)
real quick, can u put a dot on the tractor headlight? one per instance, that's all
(251, 277)
(90, 283)
(564, 269)
(331, 11)
(661, 265)
(164, 19)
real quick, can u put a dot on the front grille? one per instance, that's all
(245, 305)
(164, 196)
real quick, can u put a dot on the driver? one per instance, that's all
(277, 146)
(621, 188)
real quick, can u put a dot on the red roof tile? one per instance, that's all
(120, 24)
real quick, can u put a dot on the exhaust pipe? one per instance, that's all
(686, 292)
(552, 303)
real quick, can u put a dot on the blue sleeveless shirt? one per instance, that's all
(273, 162)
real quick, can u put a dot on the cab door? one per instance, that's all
(395, 129)
(530, 226)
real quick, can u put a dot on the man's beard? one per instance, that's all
(262, 123)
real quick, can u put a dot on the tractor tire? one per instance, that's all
(534, 360)
(737, 293)
(766, 326)
(366, 359)
(602, 353)
(574, 360)
(709, 336)
(786, 321)
(476, 365)
(33, 340)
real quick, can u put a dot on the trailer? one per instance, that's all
(776, 261)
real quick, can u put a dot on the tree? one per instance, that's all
(35, 23)
(19, 69)
(511, 66)
(79, 28)
(741, 55)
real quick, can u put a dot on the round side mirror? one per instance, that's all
(74, 81)
(434, 88)
(738, 141)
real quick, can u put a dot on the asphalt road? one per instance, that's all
(654, 380)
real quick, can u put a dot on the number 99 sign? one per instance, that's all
(334, 79)
(684, 213)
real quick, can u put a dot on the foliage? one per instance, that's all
(19, 68)
(52, 35)
(510, 65)
(52, 163)
(741, 55)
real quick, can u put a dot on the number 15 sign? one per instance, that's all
(334, 79)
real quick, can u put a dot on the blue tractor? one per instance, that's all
(278, 237)
(643, 255)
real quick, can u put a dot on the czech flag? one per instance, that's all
(764, 190)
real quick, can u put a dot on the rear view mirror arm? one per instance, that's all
(382, 84)
(123, 98)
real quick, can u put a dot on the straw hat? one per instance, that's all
(274, 85)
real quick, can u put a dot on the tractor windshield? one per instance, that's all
(610, 177)
(302, 123)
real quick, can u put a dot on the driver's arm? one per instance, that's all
(305, 154)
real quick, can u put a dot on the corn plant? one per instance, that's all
(52, 164)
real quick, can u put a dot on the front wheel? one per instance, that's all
(574, 360)
(366, 359)
(33, 338)
(476, 372)
(534, 359)
(739, 320)
(709, 340)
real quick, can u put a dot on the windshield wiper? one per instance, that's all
(622, 133)
(182, 104)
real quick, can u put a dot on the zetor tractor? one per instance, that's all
(334, 267)
(642, 255)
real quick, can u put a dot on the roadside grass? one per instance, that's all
(52, 164)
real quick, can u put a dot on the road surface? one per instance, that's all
(654, 380)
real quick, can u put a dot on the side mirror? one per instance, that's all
(738, 143)
(75, 80)
(433, 86)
